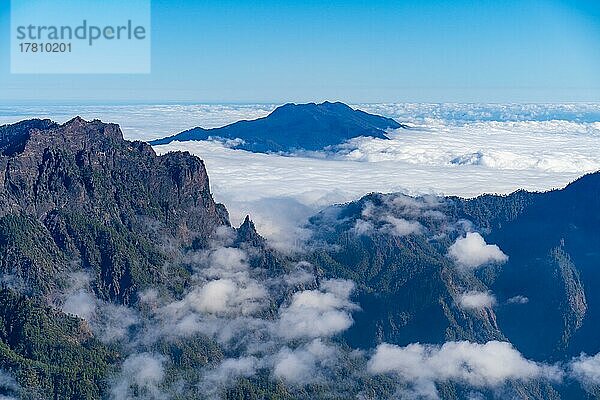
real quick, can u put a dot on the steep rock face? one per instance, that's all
(552, 242)
(296, 127)
(573, 301)
(397, 249)
(79, 198)
(14, 137)
(97, 200)
(409, 286)
(88, 165)
(409, 289)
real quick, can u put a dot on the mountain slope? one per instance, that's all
(122, 278)
(553, 240)
(94, 197)
(398, 249)
(296, 127)
(78, 199)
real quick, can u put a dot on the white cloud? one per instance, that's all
(224, 287)
(78, 299)
(300, 275)
(302, 365)
(318, 313)
(362, 227)
(144, 122)
(586, 369)
(516, 152)
(110, 322)
(81, 304)
(476, 300)
(231, 368)
(419, 113)
(226, 374)
(113, 321)
(286, 190)
(294, 367)
(213, 297)
(279, 218)
(512, 154)
(149, 297)
(496, 157)
(291, 346)
(140, 377)
(401, 226)
(341, 288)
(415, 207)
(389, 224)
(478, 365)
(225, 296)
(519, 299)
(471, 251)
(8, 386)
(227, 259)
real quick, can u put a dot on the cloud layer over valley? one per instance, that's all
(451, 149)
(240, 314)
(438, 158)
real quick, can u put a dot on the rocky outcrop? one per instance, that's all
(573, 304)
(99, 201)
(78, 197)
(409, 286)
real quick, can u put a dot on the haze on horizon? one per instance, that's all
(353, 51)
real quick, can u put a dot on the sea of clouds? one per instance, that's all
(450, 149)
(461, 150)
(284, 323)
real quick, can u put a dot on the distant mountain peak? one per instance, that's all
(292, 127)
(314, 108)
(76, 120)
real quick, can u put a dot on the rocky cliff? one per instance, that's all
(114, 259)
(80, 193)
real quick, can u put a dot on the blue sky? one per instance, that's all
(354, 51)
